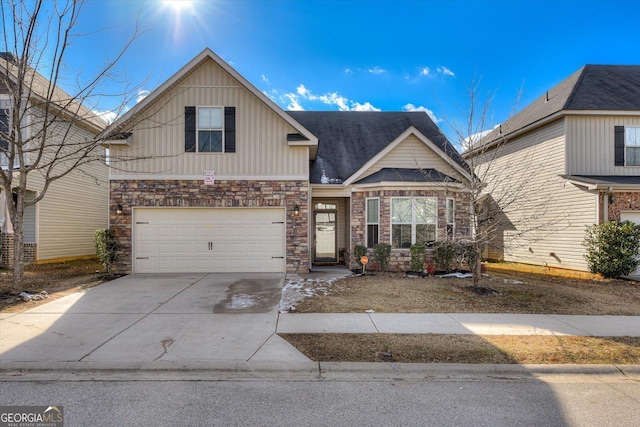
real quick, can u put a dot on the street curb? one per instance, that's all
(322, 370)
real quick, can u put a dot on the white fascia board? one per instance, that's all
(395, 185)
(411, 130)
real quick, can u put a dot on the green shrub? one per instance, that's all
(359, 252)
(444, 252)
(612, 248)
(418, 256)
(382, 255)
(106, 248)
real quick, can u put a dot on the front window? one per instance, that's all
(210, 121)
(632, 145)
(413, 220)
(373, 218)
(450, 218)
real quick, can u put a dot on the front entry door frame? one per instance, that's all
(325, 259)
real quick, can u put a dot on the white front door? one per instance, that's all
(182, 240)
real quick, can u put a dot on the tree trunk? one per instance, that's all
(18, 255)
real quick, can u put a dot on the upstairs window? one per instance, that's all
(210, 129)
(632, 145)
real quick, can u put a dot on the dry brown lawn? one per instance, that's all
(500, 349)
(516, 293)
(57, 279)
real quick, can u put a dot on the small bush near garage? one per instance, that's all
(106, 248)
(382, 255)
(612, 248)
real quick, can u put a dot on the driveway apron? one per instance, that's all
(143, 318)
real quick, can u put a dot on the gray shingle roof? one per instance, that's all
(349, 139)
(592, 87)
(605, 180)
(406, 175)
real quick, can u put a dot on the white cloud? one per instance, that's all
(376, 70)
(348, 71)
(142, 94)
(424, 71)
(356, 106)
(411, 107)
(477, 137)
(294, 100)
(264, 78)
(108, 116)
(446, 71)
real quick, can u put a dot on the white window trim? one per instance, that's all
(366, 219)
(453, 216)
(413, 219)
(221, 107)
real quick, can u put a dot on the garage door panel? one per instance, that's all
(209, 240)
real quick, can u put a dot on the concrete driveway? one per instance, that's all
(164, 320)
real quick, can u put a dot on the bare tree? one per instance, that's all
(507, 193)
(45, 132)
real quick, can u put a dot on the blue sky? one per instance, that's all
(388, 55)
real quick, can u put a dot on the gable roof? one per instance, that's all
(349, 139)
(591, 88)
(305, 138)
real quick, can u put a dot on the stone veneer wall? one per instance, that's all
(7, 245)
(193, 193)
(624, 201)
(401, 258)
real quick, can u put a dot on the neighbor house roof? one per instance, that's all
(40, 90)
(614, 182)
(349, 139)
(591, 88)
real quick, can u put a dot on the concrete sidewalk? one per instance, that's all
(459, 323)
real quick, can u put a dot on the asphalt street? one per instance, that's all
(211, 399)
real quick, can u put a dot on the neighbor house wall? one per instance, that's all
(590, 145)
(544, 217)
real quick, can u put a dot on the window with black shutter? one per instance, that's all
(210, 130)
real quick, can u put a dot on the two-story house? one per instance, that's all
(61, 225)
(568, 160)
(210, 175)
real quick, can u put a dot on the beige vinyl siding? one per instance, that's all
(545, 216)
(73, 208)
(411, 154)
(261, 135)
(590, 145)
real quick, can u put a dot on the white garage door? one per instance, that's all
(176, 240)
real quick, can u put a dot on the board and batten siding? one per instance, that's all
(411, 154)
(261, 134)
(545, 217)
(590, 145)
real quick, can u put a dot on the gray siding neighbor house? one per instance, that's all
(574, 156)
(224, 180)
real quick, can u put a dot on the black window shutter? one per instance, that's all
(619, 145)
(190, 129)
(230, 129)
(4, 128)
